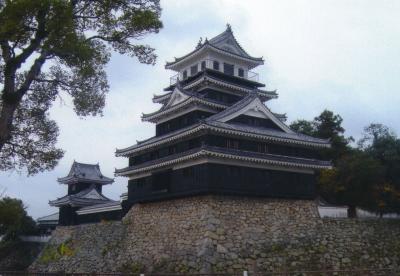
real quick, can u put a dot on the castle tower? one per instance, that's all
(215, 135)
(85, 182)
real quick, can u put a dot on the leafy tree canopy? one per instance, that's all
(328, 126)
(352, 181)
(14, 219)
(55, 47)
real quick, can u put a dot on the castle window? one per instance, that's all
(184, 74)
(229, 69)
(232, 144)
(263, 148)
(216, 65)
(193, 70)
(241, 72)
(203, 65)
(172, 150)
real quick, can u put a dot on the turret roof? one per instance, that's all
(87, 173)
(89, 196)
(223, 43)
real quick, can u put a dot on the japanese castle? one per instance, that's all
(215, 134)
(85, 201)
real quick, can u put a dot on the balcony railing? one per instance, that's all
(209, 64)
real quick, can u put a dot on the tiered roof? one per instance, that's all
(224, 43)
(85, 173)
(209, 77)
(81, 173)
(182, 99)
(89, 196)
(219, 123)
(209, 153)
(183, 95)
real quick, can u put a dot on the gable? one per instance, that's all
(176, 98)
(227, 42)
(255, 121)
(93, 194)
(256, 109)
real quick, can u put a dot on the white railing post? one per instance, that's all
(245, 273)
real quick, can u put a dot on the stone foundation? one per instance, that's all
(223, 234)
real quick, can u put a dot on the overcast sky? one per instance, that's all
(337, 55)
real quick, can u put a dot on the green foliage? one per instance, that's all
(384, 146)
(14, 220)
(367, 176)
(353, 180)
(74, 38)
(49, 254)
(327, 126)
(52, 253)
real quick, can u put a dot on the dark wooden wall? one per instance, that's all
(221, 179)
(225, 142)
(181, 122)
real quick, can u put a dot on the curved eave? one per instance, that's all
(269, 94)
(267, 159)
(161, 98)
(73, 180)
(151, 117)
(193, 130)
(100, 208)
(172, 65)
(76, 202)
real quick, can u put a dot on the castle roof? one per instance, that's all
(49, 219)
(89, 196)
(216, 153)
(220, 123)
(224, 43)
(181, 99)
(87, 173)
(99, 208)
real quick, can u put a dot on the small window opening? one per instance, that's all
(193, 70)
(203, 65)
(241, 72)
(216, 65)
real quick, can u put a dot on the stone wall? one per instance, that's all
(215, 233)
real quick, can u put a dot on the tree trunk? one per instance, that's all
(6, 119)
(351, 212)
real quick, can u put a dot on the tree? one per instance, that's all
(51, 48)
(14, 220)
(383, 145)
(304, 126)
(353, 182)
(327, 126)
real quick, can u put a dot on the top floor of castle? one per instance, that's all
(222, 53)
